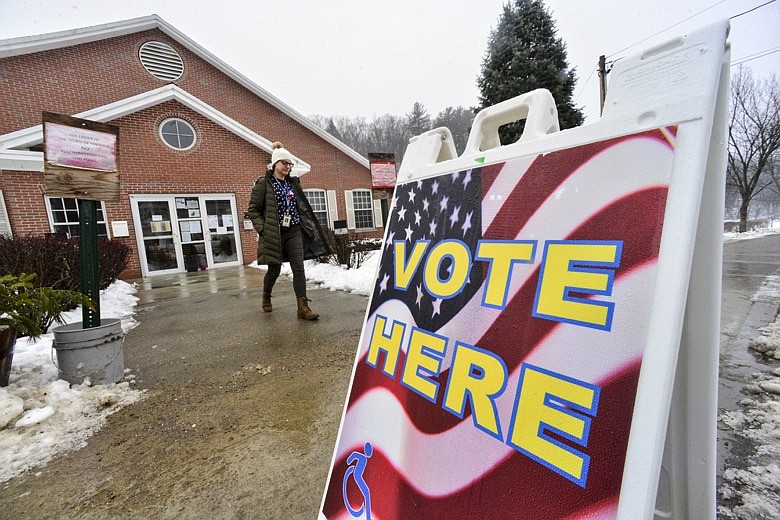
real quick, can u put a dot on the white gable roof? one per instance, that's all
(31, 44)
(13, 159)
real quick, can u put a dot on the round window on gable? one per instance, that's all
(177, 133)
(161, 61)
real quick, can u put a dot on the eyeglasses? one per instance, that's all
(288, 164)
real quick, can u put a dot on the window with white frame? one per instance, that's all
(363, 207)
(319, 204)
(64, 216)
(178, 133)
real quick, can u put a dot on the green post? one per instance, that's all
(90, 279)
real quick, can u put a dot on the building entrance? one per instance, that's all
(178, 233)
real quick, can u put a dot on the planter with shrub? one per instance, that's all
(27, 310)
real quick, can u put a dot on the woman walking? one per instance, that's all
(287, 227)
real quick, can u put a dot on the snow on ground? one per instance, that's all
(772, 228)
(42, 416)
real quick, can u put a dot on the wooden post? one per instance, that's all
(602, 82)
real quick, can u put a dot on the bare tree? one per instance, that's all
(754, 137)
(458, 120)
(383, 134)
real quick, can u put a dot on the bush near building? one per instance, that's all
(56, 262)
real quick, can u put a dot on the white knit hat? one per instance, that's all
(280, 154)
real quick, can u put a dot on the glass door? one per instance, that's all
(222, 242)
(186, 232)
(189, 217)
(159, 252)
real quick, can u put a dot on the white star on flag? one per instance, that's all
(436, 307)
(455, 216)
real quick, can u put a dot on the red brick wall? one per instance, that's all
(74, 79)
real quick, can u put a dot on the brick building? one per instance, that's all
(193, 135)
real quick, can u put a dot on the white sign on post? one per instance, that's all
(521, 346)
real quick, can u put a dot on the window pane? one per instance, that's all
(65, 217)
(177, 134)
(185, 141)
(364, 219)
(59, 216)
(361, 199)
(364, 214)
(318, 204)
(322, 217)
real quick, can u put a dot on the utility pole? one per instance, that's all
(602, 80)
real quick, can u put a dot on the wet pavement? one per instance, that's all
(185, 285)
(241, 411)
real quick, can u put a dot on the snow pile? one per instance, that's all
(335, 278)
(756, 487)
(773, 228)
(768, 343)
(42, 416)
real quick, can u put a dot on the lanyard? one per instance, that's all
(288, 194)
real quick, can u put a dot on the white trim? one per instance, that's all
(33, 161)
(377, 213)
(350, 209)
(37, 43)
(21, 160)
(5, 222)
(333, 208)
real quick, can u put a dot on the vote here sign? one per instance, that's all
(497, 369)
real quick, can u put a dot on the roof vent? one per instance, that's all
(161, 61)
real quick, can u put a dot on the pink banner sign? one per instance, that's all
(73, 147)
(383, 174)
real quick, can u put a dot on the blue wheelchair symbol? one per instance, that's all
(356, 472)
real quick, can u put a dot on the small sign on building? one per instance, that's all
(382, 170)
(80, 157)
(340, 227)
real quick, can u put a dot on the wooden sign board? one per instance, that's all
(80, 158)
(542, 337)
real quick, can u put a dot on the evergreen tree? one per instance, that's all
(418, 120)
(524, 54)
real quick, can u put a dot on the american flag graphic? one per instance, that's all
(428, 462)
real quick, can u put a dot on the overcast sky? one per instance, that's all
(367, 58)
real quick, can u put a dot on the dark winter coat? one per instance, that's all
(265, 217)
